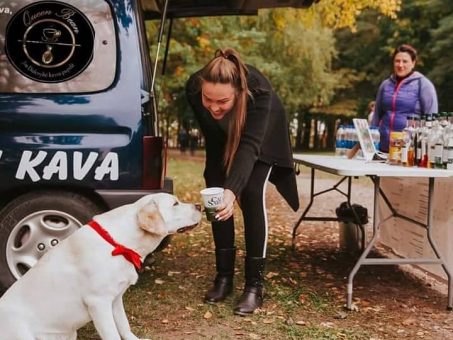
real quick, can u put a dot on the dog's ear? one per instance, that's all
(150, 219)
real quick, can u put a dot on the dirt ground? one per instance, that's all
(305, 289)
(389, 303)
(396, 303)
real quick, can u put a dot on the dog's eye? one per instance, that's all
(176, 203)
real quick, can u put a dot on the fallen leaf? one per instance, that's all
(354, 307)
(171, 273)
(365, 303)
(292, 281)
(207, 315)
(302, 298)
(270, 275)
(327, 324)
(341, 315)
(408, 321)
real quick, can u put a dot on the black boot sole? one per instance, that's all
(242, 313)
(213, 302)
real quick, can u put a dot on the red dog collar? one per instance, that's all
(129, 254)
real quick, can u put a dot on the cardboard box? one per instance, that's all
(409, 196)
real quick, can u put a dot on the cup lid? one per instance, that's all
(212, 191)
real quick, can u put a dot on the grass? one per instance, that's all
(166, 302)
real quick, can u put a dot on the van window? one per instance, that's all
(52, 46)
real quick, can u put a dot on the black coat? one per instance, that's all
(265, 137)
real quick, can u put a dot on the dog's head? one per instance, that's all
(163, 214)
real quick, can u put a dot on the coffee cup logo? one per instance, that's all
(50, 34)
(214, 201)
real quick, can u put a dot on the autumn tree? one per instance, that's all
(366, 53)
(294, 48)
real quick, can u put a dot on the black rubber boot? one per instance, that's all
(252, 297)
(223, 283)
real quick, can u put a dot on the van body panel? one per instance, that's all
(89, 140)
(73, 137)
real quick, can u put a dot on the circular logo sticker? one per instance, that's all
(49, 41)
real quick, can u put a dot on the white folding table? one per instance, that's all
(349, 168)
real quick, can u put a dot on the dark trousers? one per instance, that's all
(252, 203)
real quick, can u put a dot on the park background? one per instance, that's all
(325, 62)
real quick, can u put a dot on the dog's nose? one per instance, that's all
(198, 207)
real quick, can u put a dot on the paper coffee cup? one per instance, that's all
(212, 198)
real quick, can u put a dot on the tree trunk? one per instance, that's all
(316, 142)
(330, 126)
(307, 130)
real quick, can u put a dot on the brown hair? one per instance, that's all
(227, 67)
(407, 49)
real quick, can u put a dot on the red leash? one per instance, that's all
(129, 254)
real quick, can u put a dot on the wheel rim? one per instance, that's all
(34, 235)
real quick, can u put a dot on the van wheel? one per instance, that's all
(33, 224)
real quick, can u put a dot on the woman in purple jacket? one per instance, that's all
(404, 93)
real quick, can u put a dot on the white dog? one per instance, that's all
(86, 275)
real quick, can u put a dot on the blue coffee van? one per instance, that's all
(79, 128)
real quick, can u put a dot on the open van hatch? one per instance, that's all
(194, 8)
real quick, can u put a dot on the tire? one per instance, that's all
(34, 223)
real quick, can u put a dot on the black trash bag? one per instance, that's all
(346, 214)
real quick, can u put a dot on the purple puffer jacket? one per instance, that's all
(396, 100)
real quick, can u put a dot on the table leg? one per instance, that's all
(434, 245)
(376, 226)
(368, 248)
(313, 194)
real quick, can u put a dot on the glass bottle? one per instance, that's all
(435, 143)
(416, 120)
(448, 132)
(418, 143)
(424, 141)
(443, 119)
(395, 145)
(407, 146)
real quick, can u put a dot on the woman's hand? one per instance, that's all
(226, 209)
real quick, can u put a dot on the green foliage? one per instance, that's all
(311, 65)
(296, 59)
(440, 46)
(366, 53)
(344, 13)
(294, 48)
